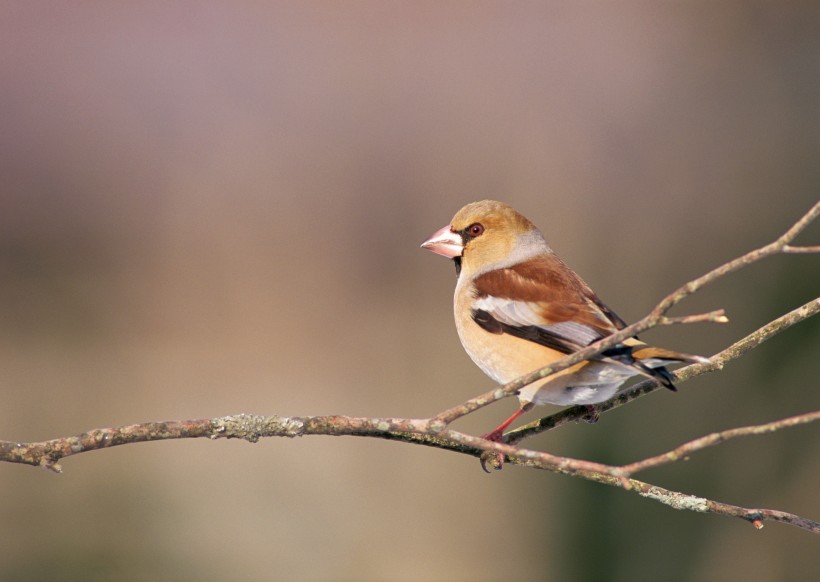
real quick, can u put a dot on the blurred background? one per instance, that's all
(209, 209)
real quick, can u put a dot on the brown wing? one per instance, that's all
(543, 300)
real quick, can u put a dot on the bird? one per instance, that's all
(518, 307)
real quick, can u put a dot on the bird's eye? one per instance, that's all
(475, 230)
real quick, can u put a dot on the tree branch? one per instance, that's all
(435, 432)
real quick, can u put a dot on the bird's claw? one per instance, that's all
(592, 415)
(494, 460)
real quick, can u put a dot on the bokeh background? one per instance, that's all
(213, 208)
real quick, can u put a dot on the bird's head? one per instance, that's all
(486, 235)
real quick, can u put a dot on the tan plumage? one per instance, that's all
(518, 307)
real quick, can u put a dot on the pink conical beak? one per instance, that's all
(444, 242)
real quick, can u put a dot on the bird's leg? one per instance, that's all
(496, 434)
(497, 459)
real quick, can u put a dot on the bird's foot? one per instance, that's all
(494, 460)
(491, 461)
(592, 415)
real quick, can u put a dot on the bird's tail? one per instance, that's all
(651, 361)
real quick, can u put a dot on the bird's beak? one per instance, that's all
(444, 242)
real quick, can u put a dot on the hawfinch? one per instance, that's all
(518, 308)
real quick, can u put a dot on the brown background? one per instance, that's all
(212, 209)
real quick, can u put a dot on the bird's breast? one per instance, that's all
(501, 356)
(504, 357)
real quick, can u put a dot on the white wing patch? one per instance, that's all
(523, 313)
(577, 332)
(508, 311)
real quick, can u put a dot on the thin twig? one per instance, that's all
(718, 316)
(798, 250)
(716, 438)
